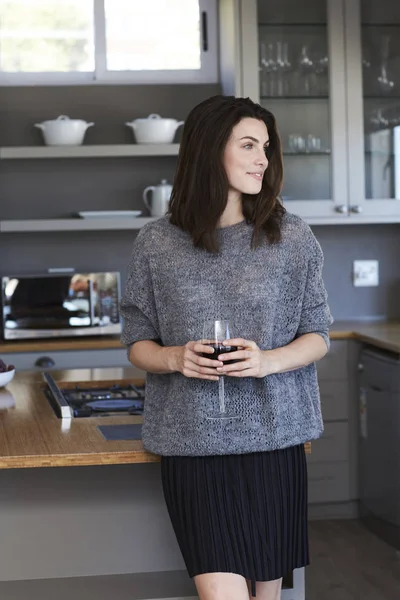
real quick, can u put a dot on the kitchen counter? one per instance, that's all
(384, 334)
(31, 435)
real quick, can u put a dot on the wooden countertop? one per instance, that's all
(383, 334)
(31, 435)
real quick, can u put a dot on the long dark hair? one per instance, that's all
(200, 191)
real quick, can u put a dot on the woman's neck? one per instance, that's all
(233, 213)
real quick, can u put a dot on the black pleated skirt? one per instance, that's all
(243, 513)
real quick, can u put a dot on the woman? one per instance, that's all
(236, 488)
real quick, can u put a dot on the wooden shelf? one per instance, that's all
(100, 151)
(77, 224)
(132, 224)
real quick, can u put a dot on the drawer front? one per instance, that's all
(328, 482)
(379, 371)
(28, 361)
(333, 446)
(334, 364)
(334, 400)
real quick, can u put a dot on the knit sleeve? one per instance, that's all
(315, 314)
(137, 306)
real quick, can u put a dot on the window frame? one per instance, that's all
(208, 72)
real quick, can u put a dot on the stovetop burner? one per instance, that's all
(84, 400)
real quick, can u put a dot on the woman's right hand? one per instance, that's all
(191, 364)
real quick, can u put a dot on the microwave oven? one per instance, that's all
(60, 305)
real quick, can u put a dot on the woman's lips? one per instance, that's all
(256, 176)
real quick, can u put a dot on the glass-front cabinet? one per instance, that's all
(373, 91)
(329, 70)
(300, 78)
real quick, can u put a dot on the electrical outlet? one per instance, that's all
(365, 273)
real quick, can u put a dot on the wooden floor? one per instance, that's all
(350, 563)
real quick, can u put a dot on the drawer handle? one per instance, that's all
(45, 362)
(376, 388)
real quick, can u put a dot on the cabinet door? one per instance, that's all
(293, 64)
(373, 74)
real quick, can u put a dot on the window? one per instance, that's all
(105, 41)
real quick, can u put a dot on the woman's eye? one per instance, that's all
(248, 146)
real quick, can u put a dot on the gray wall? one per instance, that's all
(342, 244)
(59, 188)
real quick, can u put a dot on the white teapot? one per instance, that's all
(160, 195)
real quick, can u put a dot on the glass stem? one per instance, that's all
(221, 393)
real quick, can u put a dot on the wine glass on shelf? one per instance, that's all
(307, 70)
(268, 68)
(215, 332)
(379, 120)
(386, 85)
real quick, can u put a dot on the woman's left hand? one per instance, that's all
(252, 362)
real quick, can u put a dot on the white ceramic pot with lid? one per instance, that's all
(154, 129)
(63, 131)
(160, 195)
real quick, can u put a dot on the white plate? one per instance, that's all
(98, 214)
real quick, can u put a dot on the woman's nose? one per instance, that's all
(262, 159)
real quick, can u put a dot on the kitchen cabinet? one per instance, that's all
(304, 62)
(379, 441)
(373, 100)
(332, 464)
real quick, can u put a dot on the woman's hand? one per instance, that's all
(190, 363)
(253, 362)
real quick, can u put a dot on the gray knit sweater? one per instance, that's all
(272, 294)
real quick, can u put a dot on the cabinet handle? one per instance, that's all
(342, 209)
(356, 208)
(360, 367)
(204, 31)
(45, 362)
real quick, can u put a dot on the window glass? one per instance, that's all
(136, 40)
(39, 36)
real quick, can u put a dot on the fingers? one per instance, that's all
(197, 366)
(197, 375)
(238, 355)
(241, 342)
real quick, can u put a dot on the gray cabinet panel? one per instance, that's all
(334, 364)
(334, 400)
(328, 482)
(333, 446)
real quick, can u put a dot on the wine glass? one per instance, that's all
(215, 332)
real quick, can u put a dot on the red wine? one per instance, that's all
(219, 349)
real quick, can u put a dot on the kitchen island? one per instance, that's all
(32, 435)
(96, 530)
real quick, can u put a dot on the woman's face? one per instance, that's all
(244, 158)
